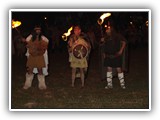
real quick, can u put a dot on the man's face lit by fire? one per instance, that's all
(77, 31)
(38, 31)
(108, 30)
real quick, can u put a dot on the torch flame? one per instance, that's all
(65, 35)
(15, 24)
(147, 23)
(102, 17)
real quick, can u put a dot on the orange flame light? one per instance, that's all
(102, 17)
(65, 35)
(15, 24)
(147, 23)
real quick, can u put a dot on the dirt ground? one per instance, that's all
(60, 94)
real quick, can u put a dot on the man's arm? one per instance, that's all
(123, 45)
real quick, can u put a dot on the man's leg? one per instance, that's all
(29, 78)
(121, 78)
(41, 79)
(82, 76)
(109, 78)
(73, 76)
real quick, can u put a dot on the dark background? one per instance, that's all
(64, 20)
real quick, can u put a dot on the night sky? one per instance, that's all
(64, 20)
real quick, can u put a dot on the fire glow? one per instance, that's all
(65, 35)
(102, 17)
(15, 24)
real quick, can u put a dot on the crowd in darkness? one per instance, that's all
(131, 24)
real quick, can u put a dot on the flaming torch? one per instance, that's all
(101, 45)
(65, 35)
(16, 24)
(101, 20)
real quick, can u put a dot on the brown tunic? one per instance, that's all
(36, 50)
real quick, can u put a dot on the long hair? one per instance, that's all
(34, 36)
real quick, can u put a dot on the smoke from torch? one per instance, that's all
(65, 35)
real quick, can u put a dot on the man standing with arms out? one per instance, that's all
(82, 62)
(114, 47)
(37, 58)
